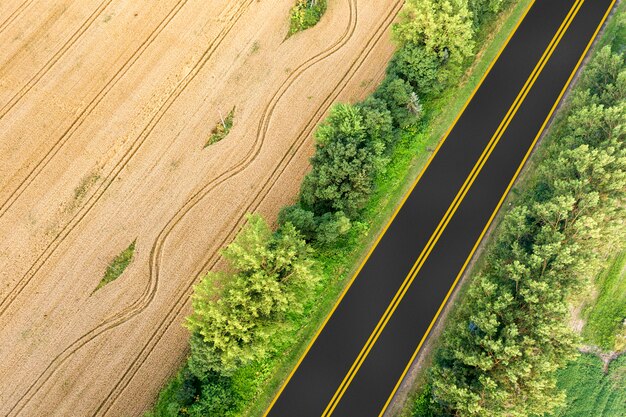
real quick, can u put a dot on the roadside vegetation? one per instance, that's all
(605, 318)
(590, 390)
(222, 128)
(250, 325)
(117, 266)
(509, 333)
(305, 14)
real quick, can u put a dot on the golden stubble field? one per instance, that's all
(105, 106)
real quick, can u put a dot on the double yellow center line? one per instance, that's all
(452, 209)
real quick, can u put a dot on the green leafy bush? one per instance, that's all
(230, 328)
(305, 14)
(349, 151)
(117, 266)
(435, 31)
(222, 128)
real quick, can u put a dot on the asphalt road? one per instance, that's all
(355, 363)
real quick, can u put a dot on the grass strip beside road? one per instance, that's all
(605, 316)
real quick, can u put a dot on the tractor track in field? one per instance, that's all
(14, 15)
(87, 111)
(19, 95)
(156, 253)
(126, 157)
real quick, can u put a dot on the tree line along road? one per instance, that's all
(360, 355)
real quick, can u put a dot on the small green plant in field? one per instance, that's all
(605, 317)
(305, 14)
(84, 185)
(117, 265)
(220, 131)
(81, 190)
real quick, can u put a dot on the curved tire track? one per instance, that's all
(182, 297)
(155, 255)
(157, 251)
(86, 112)
(128, 155)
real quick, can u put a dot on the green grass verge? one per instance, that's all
(591, 392)
(615, 31)
(221, 129)
(605, 316)
(117, 265)
(305, 14)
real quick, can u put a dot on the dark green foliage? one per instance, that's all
(181, 392)
(189, 388)
(117, 266)
(324, 229)
(402, 101)
(348, 154)
(305, 14)
(218, 398)
(304, 220)
(419, 68)
(377, 119)
(499, 355)
(352, 147)
(483, 9)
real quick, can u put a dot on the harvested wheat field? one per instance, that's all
(105, 110)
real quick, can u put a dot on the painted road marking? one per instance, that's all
(452, 209)
(495, 211)
(397, 210)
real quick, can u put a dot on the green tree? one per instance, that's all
(403, 103)
(325, 229)
(231, 327)
(604, 74)
(349, 153)
(420, 70)
(481, 8)
(441, 27)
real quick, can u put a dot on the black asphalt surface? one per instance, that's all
(320, 374)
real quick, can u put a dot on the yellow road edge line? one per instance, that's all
(450, 212)
(406, 196)
(452, 208)
(495, 212)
